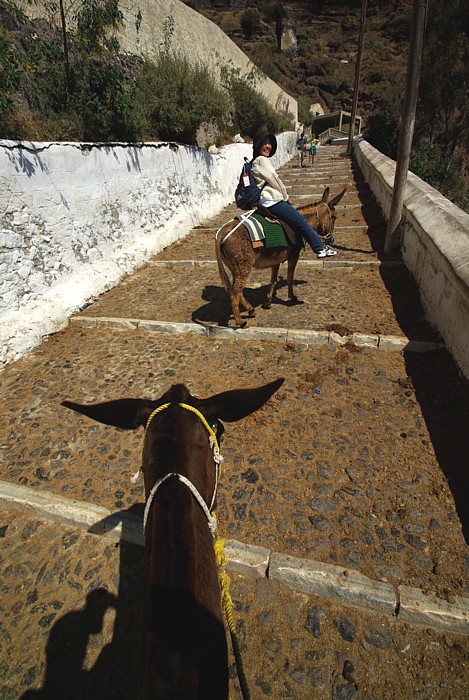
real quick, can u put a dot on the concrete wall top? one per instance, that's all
(434, 247)
(443, 222)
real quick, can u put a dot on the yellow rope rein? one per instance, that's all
(227, 604)
(218, 546)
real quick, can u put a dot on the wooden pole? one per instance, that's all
(65, 47)
(393, 232)
(357, 79)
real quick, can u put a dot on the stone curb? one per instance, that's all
(427, 610)
(340, 585)
(307, 263)
(388, 343)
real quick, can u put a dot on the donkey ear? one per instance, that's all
(325, 195)
(233, 405)
(121, 413)
(337, 198)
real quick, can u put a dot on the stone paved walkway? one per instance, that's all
(360, 461)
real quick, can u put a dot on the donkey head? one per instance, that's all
(228, 406)
(176, 423)
(323, 220)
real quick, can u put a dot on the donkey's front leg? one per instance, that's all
(273, 284)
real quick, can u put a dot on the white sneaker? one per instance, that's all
(326, 252)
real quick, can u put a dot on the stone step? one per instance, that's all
(319, 457)
(339, 584)
(382, 304)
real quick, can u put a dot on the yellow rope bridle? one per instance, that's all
(220, 557)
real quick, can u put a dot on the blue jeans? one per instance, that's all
(285, 212)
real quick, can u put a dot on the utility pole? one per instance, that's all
(357, 79)
(406, 133)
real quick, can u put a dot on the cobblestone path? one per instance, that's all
(359, 461)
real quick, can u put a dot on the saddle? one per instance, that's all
(266, 232)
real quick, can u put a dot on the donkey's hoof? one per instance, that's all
(294, 301)
(267, 304)
(252, 313)
(243, 324)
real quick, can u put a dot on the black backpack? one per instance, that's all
(247, 193)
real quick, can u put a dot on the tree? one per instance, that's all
(280, 15)
(444, 85)
(89, 22)
(382, 129)
(431, 163)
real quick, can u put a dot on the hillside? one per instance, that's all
(323, 69)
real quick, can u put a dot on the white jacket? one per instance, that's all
(274, 190)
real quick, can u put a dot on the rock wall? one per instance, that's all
(76, 217)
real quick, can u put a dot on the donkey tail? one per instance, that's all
(220, 260)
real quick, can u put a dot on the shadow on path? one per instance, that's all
(218, 308)
(440, 389)
(443, 395)
(114, 676)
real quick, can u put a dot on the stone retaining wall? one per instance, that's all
(435, 247)
(76, 217)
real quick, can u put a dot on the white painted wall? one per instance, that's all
(76, 218)
(435, 247)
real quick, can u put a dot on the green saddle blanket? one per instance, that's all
(262, 231)
(274, 233)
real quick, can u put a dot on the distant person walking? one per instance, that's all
(313, 144)
(301, 145)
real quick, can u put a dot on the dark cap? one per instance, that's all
(259, 140)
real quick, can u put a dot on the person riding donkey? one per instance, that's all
(274, 196)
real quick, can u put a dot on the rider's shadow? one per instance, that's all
(218, 308)
(114, 674)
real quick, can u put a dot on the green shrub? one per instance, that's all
(382, 129)
(250, 112)
(97, 105)
(101, 95)
(250, 20)
(334, 45)
(10, 73)
(173, 98)
(399, 28)
(336, 87)
(304, 115)
(269, 12)
(11, 65)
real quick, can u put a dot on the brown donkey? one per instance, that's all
(236, 252)
(183, 641)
